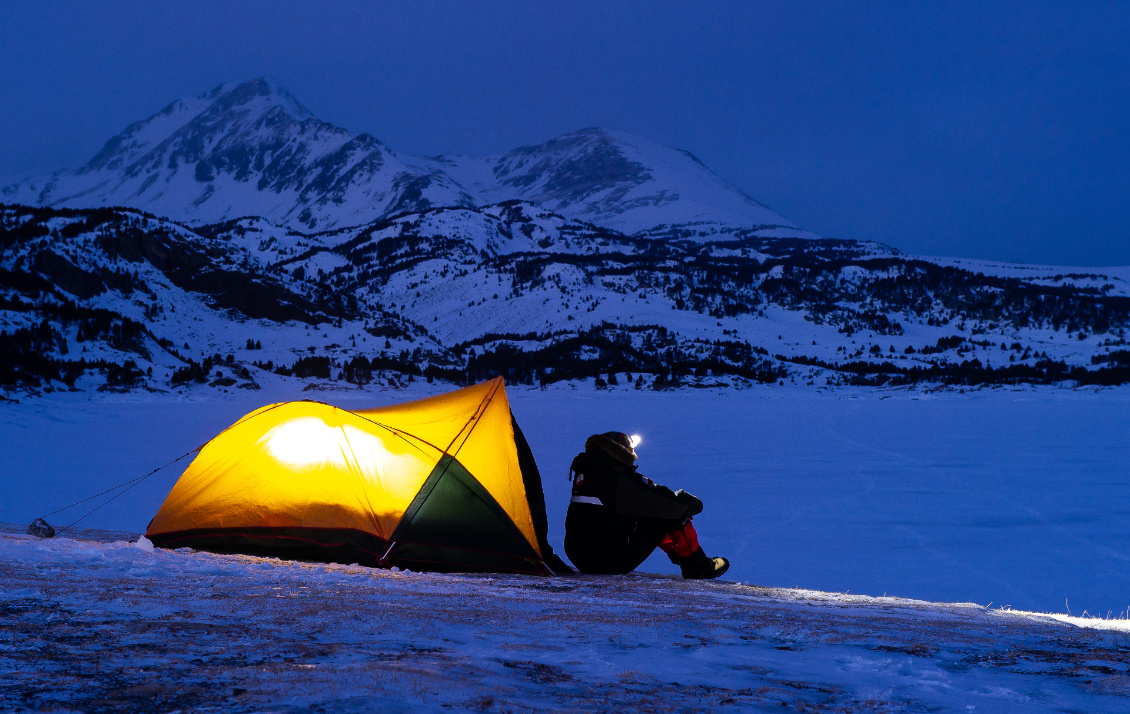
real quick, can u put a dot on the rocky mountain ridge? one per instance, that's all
(120, 299)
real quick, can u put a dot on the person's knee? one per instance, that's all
(682, 541)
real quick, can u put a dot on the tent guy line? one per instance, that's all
(131, 483)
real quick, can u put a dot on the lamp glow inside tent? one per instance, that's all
(446, 483)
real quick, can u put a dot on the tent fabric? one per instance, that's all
(444, 483)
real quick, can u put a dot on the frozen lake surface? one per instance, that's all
(1009, 498)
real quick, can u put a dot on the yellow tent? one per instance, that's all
(445, 483)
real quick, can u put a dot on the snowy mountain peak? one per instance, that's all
(255, 97)
(572, 167)
(261, 91)
(620, 181)
(251, 148)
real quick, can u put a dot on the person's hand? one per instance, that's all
(694, 506)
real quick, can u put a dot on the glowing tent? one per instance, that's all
(446, 483)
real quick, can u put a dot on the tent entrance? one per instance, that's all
(454, 520)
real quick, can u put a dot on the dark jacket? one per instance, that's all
(617, 516)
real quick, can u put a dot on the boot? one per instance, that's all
(699, 566)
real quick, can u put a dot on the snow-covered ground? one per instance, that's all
(97, 624)
(1003, 498)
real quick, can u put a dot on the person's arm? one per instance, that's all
(638, 497)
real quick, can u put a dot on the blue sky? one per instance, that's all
(940, 128)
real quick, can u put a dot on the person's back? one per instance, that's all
(617, 517)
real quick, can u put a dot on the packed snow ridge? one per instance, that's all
(96, 624)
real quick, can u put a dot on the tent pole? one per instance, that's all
(381, 560)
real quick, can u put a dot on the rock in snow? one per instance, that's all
(40, 529)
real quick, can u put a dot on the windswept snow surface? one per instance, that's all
(97, 624)
(1004, 498)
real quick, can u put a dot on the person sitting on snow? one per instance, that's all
(617, 516)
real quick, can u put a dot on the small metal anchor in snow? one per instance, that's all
(41, 529)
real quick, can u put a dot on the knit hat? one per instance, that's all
(616, 444)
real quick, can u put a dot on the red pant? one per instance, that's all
(681, 542)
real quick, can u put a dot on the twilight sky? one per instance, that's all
(943, 128)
